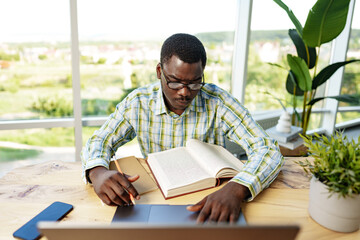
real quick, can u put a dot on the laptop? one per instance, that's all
(162, 222)
(163, 231)
(159, 213)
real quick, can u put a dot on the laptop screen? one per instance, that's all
(161, 231)
(163, 222)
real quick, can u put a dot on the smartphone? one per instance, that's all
(54, 212)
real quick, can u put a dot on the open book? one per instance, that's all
(131, 166)
(195, 167)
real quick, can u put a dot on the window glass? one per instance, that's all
(120, 44)
(35, 73)
(351, 80)
(270, 43)
(35, 80)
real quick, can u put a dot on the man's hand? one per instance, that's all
(223, 205)
(112, 187)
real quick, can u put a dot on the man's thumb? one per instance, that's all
(196, 207)
(132, 178)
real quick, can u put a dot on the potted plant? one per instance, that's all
(334, 196)
(325, 21)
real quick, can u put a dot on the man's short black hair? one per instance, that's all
(186, 47)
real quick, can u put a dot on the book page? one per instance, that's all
(175, 167)
(214, 158)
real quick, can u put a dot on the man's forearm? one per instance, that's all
(263, 164)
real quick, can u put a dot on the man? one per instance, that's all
(165, 114)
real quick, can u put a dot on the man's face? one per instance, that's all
(176, 70)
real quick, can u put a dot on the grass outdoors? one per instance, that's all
(347, 116)
(54, 137)
(22, 85)
(9, 154)
(40, 137)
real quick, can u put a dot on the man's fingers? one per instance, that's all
(113, 187)
(194, 208)
(234, 217)
(204, 209)
(224, 217)
(204, 214)
(129, 188)
(120, 194)
(104, 198)
(197, 207)
(132, 178)
(111, 200)
(215, 213)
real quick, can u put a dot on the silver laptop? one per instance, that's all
(160, 213)
(157, 231)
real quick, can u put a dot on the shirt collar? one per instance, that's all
(160, 107)
(197, 105)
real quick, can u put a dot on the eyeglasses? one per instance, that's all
(179, 85)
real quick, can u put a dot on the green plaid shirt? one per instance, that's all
(213, 115)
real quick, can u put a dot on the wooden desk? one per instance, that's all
(26, 191)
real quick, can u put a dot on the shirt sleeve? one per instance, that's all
(102, 145)
(264, 157)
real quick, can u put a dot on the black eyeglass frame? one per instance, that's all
(180, 85)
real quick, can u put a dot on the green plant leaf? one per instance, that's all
(325, 21)
(301, 72)
(278, 99)
(291, 82)
(303, 51)
(331, 162)
(291, 85)
(276, 65)
(327, 72)
(291, 15)
(354, 99)
(297, 115)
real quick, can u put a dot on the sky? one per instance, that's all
(34, 20)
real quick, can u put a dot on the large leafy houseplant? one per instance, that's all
(325, 21)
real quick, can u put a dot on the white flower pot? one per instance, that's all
(338, 214)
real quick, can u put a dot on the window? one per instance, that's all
(270, 43)
(351, 79)
(120, 44)
(35, 67)
(119, 49)
(35, 77)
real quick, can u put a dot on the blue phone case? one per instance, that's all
(54, 212)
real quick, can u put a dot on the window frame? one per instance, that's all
(239, 73)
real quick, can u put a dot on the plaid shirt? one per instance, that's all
(213, 115)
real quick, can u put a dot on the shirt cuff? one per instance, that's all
(250, 181)
(91, 163)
